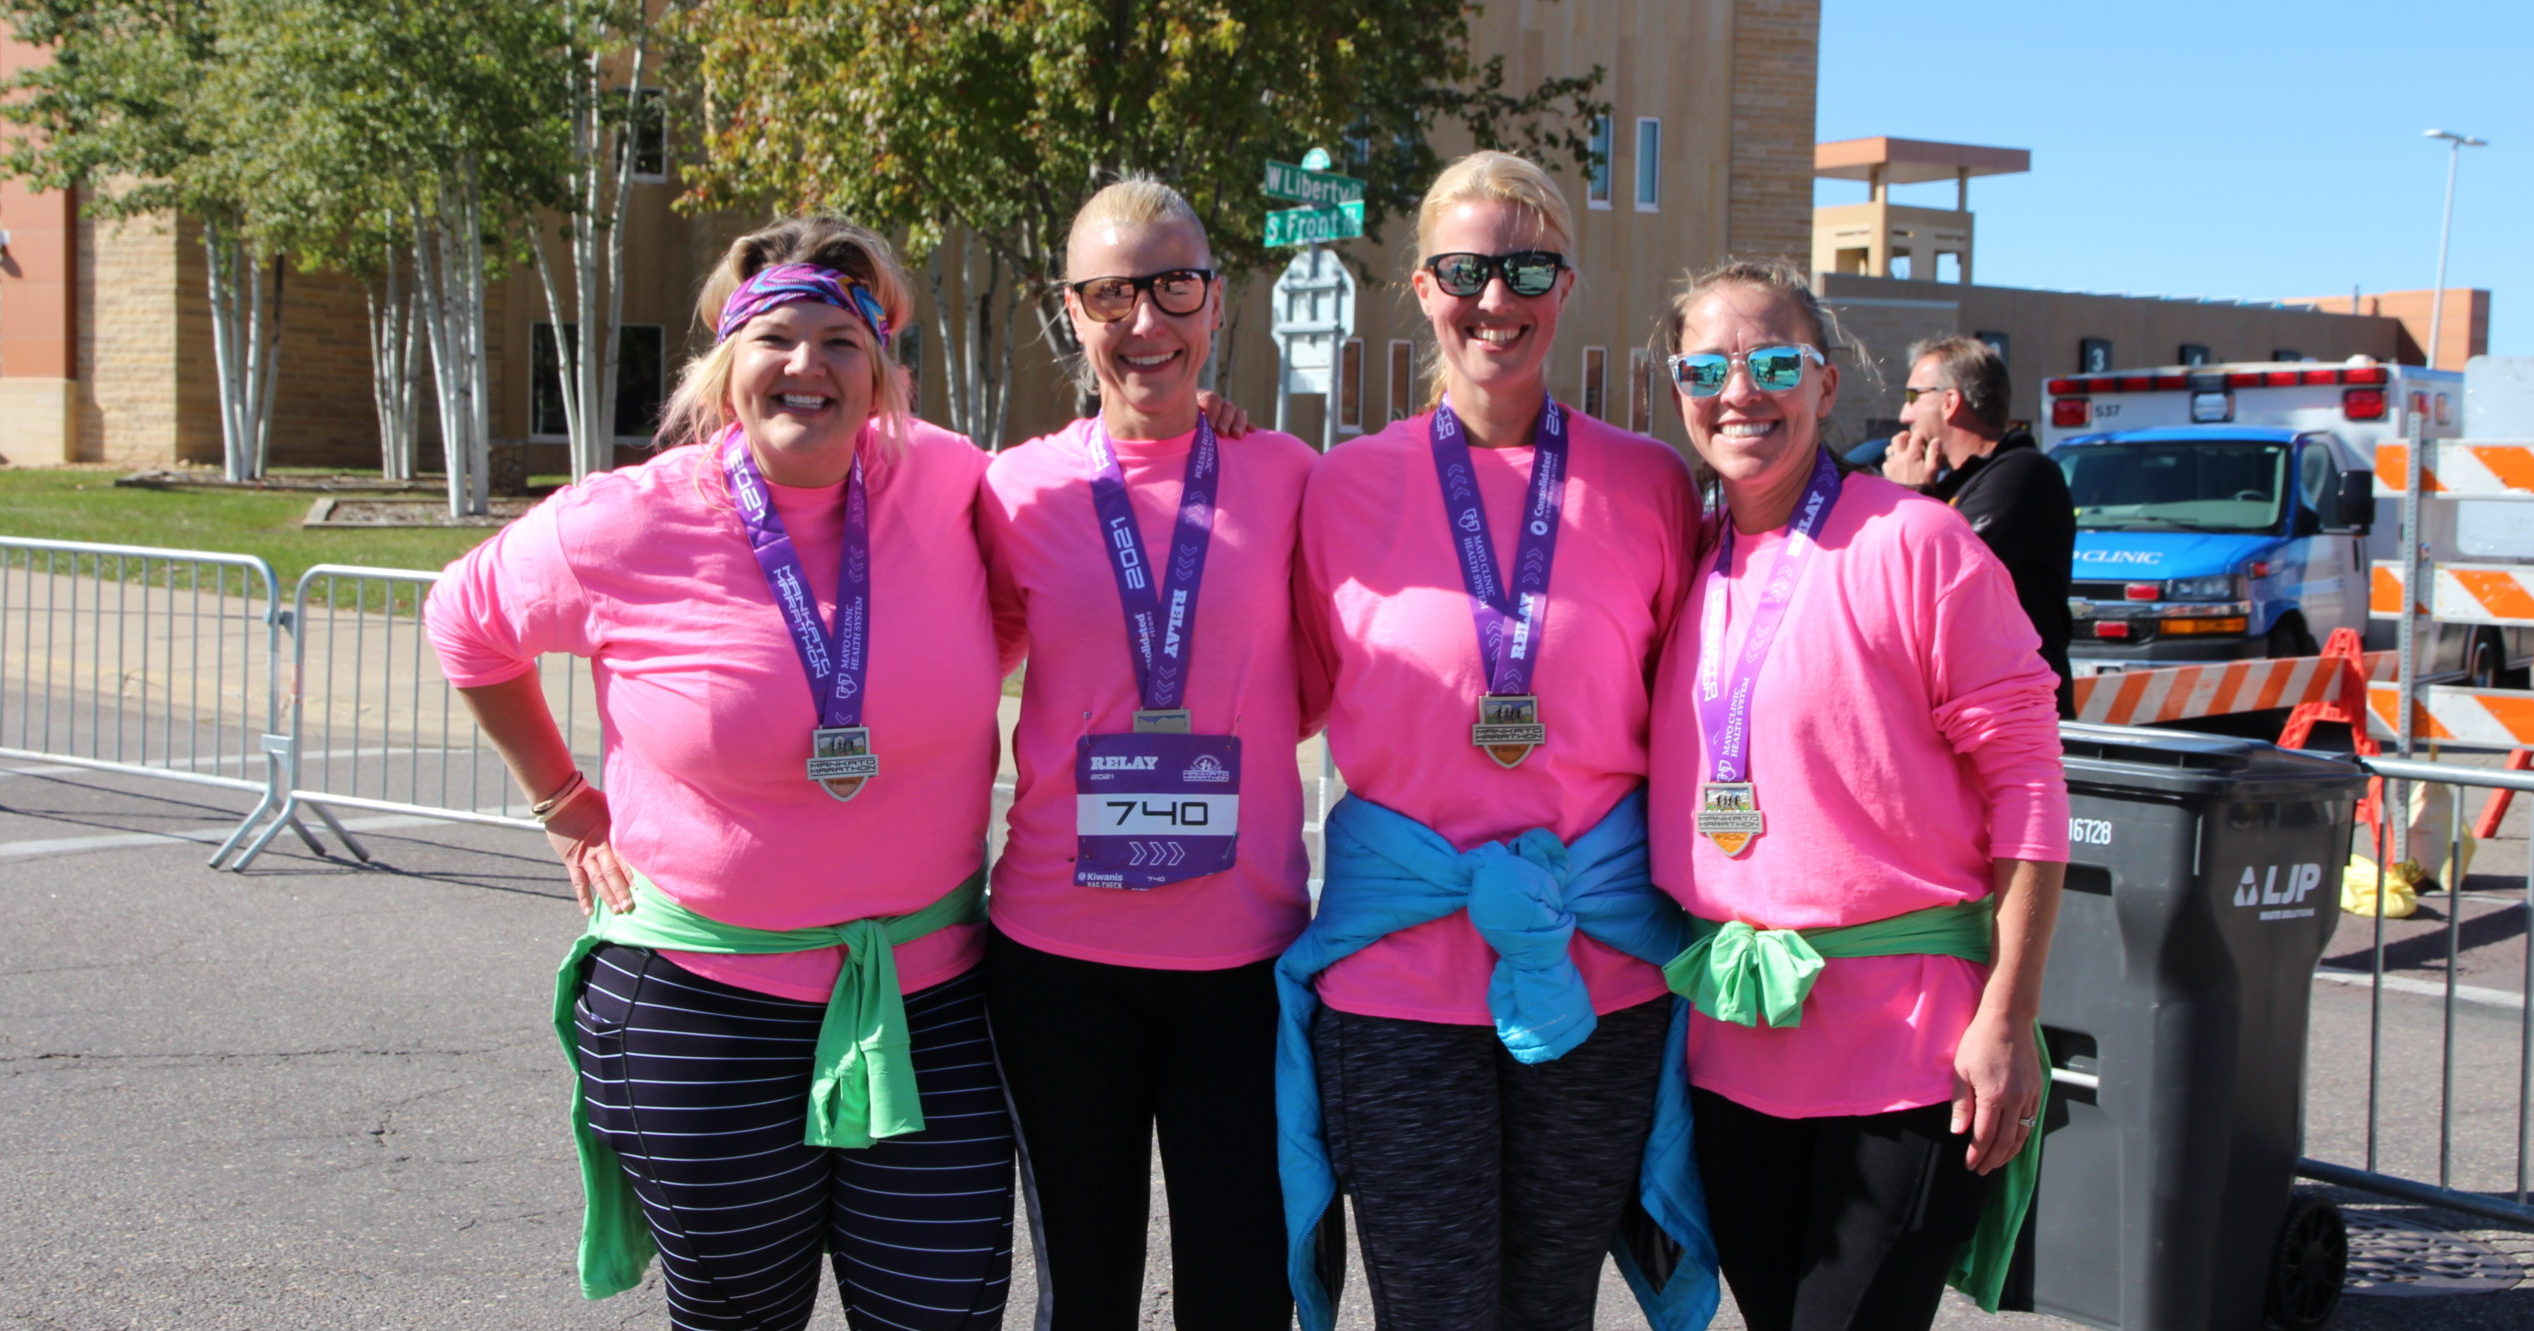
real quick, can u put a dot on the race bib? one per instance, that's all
(1155, 808)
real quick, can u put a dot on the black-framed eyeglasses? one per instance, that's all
(1772, 369)
(1910, 396)
(1174, 291)
(1526, 272)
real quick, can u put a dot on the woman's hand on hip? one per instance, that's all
(1996, 1089)
(579, 833)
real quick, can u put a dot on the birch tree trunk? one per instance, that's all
(594, 239)
(245, 346)
(393, 332)
(449, 277)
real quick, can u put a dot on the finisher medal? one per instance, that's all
(1512, 622)
(1728, 811)
(1508, 727)
(1728, 814)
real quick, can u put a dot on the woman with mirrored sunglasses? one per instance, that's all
(1475, 1021)
(1858, 800)
(774, 1011)
(1155, 865)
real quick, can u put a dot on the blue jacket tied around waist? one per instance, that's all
(1387, 872)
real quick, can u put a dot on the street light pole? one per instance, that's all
(2456, 143)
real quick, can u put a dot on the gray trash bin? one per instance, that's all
(2203, 883)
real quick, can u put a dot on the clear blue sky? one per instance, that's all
(2234, 150)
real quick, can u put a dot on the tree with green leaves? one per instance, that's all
(123, 113)
(411, 143)
(975, 129)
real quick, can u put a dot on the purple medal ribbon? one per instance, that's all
(838, 661)
(1724, 710)
(1161, 623)
(1510, 627)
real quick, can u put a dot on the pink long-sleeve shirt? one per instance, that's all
(1387, 623)
(1052, 586)
(1904, 737)
(707, 712)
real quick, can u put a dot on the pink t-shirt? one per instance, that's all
(1903, 737)
(707, 712)
(1390, 640)
(1050, 577)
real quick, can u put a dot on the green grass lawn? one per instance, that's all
(83, 504)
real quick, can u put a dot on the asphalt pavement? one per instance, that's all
(319, 1094)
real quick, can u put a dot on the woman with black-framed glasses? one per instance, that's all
(1858, 798)
(1155, 866)
(1474, 1022)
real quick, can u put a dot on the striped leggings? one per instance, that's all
(703, 1090)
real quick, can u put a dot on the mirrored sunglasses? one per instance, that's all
(1772, 369)
(1109, 299)
(1526, 272)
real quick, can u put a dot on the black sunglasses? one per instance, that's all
(1526, 272)
(1109, 299)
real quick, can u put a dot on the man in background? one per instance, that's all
(1958, 445)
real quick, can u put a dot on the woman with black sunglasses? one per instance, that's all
(1155, 866)
(1475, 1023)
(1858, 796)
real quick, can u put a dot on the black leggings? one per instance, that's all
(1097, 1056)
(703, 1089)
(1837, 1223)
(1485, 1190)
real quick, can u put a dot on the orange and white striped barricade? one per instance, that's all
(2470, 718)
(2180, 693)
(2461, 468)
(2501, 594)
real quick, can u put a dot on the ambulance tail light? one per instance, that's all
(2362, 404)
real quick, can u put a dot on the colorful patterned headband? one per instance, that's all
(792, 283)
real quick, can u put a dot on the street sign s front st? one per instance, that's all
(1315, 226)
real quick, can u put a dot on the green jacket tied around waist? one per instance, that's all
(862, 1082)
(1733, 971)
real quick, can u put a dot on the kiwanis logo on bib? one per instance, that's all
(1207, 770)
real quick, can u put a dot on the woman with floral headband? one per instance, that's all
(778, 1030)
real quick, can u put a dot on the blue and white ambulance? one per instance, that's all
(2229, 511)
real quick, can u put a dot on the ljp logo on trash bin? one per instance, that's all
(2266, 890)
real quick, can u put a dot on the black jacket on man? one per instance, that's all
(2019, 504)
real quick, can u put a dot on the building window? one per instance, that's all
(1641, 391)
(1597, 177)
(2093, 355)
(650, 135)
(1350, 387)
(1649, 163)
(2286, 353)
(1403, 378)
(640, 369)
(1997, 342)
(2191, 353)
(1596, 375)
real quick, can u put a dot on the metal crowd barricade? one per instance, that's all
(2467, 1064)
(153, 662)
(374, 726)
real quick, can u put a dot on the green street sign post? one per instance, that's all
(1315, 226)
(1302, 184)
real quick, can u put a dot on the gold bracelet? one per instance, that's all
(545, 809)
